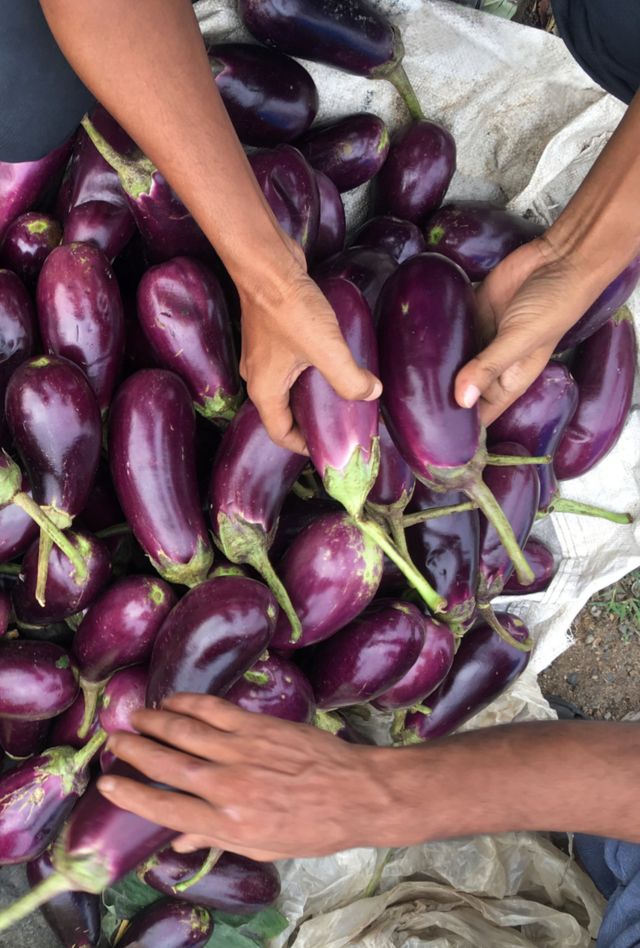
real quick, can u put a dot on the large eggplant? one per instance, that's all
(234, 884)
(109, 227)
(20, 738)
(427, 672)
(296, 515)
(80, 315)
(332, 223)
(73, 917)
(477, 235)
(38, 680)
(402, 239)
(483, 667)
(123, 695)
(352, 36)
(172, 923)
(604, 369)
(366, 267)
(368, 656)
(183, 312)
(27, 243)
(349, 150)
(152, 449)
(275, 686)
(22, 183)
(17, 328)
(271, 99)
(332, 572)
(426, 335)
(289, 184)
(609, 302)
(415, 177)
(213, 635)
(543, 564)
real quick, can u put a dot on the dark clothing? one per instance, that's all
(614, 866)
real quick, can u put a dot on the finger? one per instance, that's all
(162, 764)
(176, 811)
(336, 363)
(214, 711)
(511, 346)
(178, 730)
(277, 417)
(513, 382)
(190, 844)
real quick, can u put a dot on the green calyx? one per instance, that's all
(186, 574)
(219, 407)
(157, 594)
(135, 174)
(10, 479)
(623, 315)
(326, 721)
(37, 226)
(351, 485)
(435, 235)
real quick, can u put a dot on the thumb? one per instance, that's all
(498, 373)
(344, 375)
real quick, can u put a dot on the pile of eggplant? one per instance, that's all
(152, 537)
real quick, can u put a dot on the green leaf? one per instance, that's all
(128, 897)
(263, 925)
(224, 936)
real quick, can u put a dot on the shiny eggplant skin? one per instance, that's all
(332, 572)
(74, 917)
(235, 884)
(183, 312)
(271, 99)
(415, 177)
(109, 227)
(349, 150)
(65, 727)
(20, 739)
(544, 567)
(17, 329)
(604, 369)
(17, 531)
(152, 453)
(538, 419)
(395, 482)
(477, 235)
(609, 302)
(275, 686)
(22, 183)
(296, 515)
(332, 222)
(365, 267)
(289, 184)
(368, 656)
(80, 315)
(27, 243)
(483, 667)
(426, 674)
(124, 694)
(214, 634)
(171, 923)
(38, 680)
(402, 239)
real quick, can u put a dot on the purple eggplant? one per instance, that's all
(5, 611)
(365, 267)
(477, 235)
(483, 667)
(17, 529)
(64, 593)
(38, 680)
(296, 515)
(543, 564)
(426, 335)
(368, 656)
(275, 686)
(152, 449)
(74, 917)
(234, 884)
(271, 99)
(332, 572)
(250, 479)
(393, 487)
(426, 674)
(123, 695)
(109, 227)
(604, 370)
(401, 239)
(342, 436)
(80, 315)
(17, 325)
(65, 727)
(393, 582)
(20, 739)
(538, 419)
(37, 796)
(352, 36)
(332, 222)
(289, 184)
(609, 302)
(27, 243)
(517, 490)
(415, 177)
(102, 509)
(183, 313)
(22, 183)
(214, 634)
(349, 150)
(171, 923)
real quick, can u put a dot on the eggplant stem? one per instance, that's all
(326, 721)
(482, 495)
(304, 493)
(117, 530)
(492, 620)
(45, 547)
(206, 867)
(56, 884)
(31, 508)
(399, 78)
(564, 505)
(434, 513)
(10, 569)
(91, 691)
(83, 756)
(376, 533)
(397, 725)
(512, 460)
(259, 559)
(374, 882)
(256, 677)
(396, 528)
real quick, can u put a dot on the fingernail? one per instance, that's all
(376, 393)
(470, 396)
(106, 785)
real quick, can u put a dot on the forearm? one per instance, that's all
(146, 62)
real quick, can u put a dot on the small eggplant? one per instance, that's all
(332, 572)
(543, 564)
(66, 725)
(365, 267)
(81, 317)
(271, 99)
(604, 370)
(73, 917)
(108, 227)
(123, 695)
(296, 515)
(426, 674)
(609, 302)
(213, 635)
(172, 923)
(17, 328)
(234, 884)
(275, 686)
(401, 239)
(483, 667)
(183, 312)
(349, 150)
(477, 235)
(332, 222)
(20, 739)
(368, 656)
(38, 680)
(152, 450)
(17, 529)
(27, 243)
(289, 184)
(342, 435)
(22, 183)
(415, 177)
